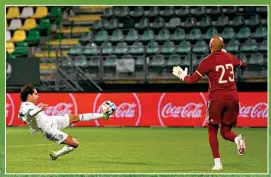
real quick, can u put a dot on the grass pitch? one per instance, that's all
(134, 150)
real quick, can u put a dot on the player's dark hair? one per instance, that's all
(27, 89)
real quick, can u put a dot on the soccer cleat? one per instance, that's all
(217, 167)
(106, 116)
(53, 155)
(241, 145)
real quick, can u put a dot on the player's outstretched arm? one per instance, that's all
(182, 74)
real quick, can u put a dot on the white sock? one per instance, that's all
(217, 161)
(90, 116)
(65, 150)
(236, 139)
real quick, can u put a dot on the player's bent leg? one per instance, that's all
(226, 132)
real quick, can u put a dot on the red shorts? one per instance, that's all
(222, 112)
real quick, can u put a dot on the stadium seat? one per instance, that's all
(91, 49)
(152, 47)
(29, 24)
(50, 54)
(182, 10)
(185, 60)
(163, 35)
(168, 48)
(121, 11)
(40, 12)
(63, 42)
(199, 10)
(80, 61)
(98, 24)
(121, 48)
(174, 23)
(15, 24)
(67, 61)
(117, 35)
(189, 22)
(152, 12)
(18, 36)
(254, 20)
(44, 24)
(112, 24)
(263, 46)
(27, 12)
(261, 9)
(55, 12)
(174, 60)
(258, 58)
(140, 60)
(110, 61)
(10, 47)
(101, 36)
(229, 9)
(210, 33)
(132, 35)
(200, 47)
(8, 35)
(157, 60)
(75, 50)
(86, 37)
(21, 49)
(250, 45)
(33, 36)
(261, 32)
(195, 34)
(143, 23)
(148, 35)
(158, 23)
(94, 61)
(232, 46)
(238, 21)
(250, 9)
(179, 34)
(228, 33)
(107, 48)
(196, 58)
(168, 11)
(222, 21)
(184, 47)
(137, 48)
(108, 12)
(205, 22)
(244, 32)
(214, 10)
(84, 18)
(137, 12)
(13, 12)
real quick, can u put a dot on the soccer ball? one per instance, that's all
(108, 107)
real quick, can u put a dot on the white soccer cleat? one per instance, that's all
(53, 155)
(217, 167)
(241, 145)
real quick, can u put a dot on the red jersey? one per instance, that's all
(219, 67)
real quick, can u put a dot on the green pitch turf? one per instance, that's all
(134, 150)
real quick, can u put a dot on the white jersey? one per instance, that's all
(38, 122)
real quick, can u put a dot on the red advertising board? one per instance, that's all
(143, 109)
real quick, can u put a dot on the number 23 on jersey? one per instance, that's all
(227, 70)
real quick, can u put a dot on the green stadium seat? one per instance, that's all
(136, 48)
(244, 32)
(44, 24)
(33, 37)
(121, 11)
(238, 21)
(91, 49)
(195, 34)
(121, 48)
(232, 46)
(102, 36)
(75, 50)
(184, 47)
(200, 47)
(229, 9)
(205, 22)
(148, 35)
(112, 24)
(132, 35)
(152, 12)
(261, 9)
(199, 10)
(152, 47)
(21, 49)
(174, 23)
(143, 23)
(228, 33)
(80, 61)
(157, 60)
(67, 61)
(158, 23)
(108, 12)
(174, 60)
(98, 24)
(179, 34)
(182, 10)
(210, 33)
(263, 46)
(222, 21)
(254, 20)
(137, 12)
(168, 11)
(214, 10)
(185, 60)
(140, 60)
(163, 35)
(107, 48)
(168, 47)
(55, 12)
(86, 37)
(110, 61)
(94, 61)
(261, 32)
(117, 35)
(190, 22)
(250, 45)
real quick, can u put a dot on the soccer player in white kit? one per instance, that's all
(50, 126)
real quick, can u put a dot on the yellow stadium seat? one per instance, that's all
(10, 47)
(18, 36)
(74, 30)
(94, 8)
(13, 12)
(79, 18)
(47, 66)
(63, 42)
(51, 54)
(29, 24)
(40, 12)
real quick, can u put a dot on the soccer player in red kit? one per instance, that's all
(223, 104)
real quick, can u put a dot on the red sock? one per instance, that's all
(213, 141)
(226, 133)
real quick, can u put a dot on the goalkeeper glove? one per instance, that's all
(179, 72)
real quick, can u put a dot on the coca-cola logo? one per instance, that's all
(183, 110)
(59, 105)
(10, 110)
(128, 109)
(259, 110)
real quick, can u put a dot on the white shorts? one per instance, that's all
(54, 133)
